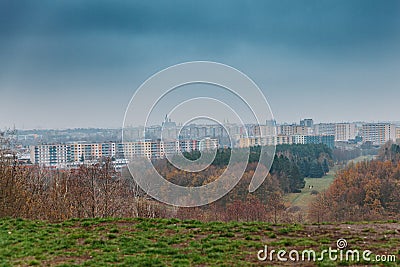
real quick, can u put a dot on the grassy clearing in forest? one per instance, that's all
(304, 198)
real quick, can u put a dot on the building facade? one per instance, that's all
(328, 140)
(345, 131)
(63, 155)
(378, 133)
(51, 155)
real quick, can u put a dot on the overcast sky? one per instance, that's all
(77, 63)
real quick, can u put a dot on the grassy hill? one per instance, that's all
(170, 242)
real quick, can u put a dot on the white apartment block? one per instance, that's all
(292, 129)
(287, 139)
(342, 131)
(256, 141)
(324, 129)
(299, 139)
(378, 133)
(265, 141)
(63, 155)
(50, 155)
(345, 131)
(92, 151)
(271, 140)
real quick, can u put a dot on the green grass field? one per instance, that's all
(170, 242)
(304, 198)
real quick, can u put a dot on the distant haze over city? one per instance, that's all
(68, 64)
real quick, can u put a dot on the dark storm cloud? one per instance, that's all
(326, 23)
(73, 50)
(77, 34)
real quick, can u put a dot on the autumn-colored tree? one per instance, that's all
(362, 191)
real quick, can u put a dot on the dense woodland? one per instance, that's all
(292, 163)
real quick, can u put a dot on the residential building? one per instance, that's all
(293, 129)
(257, 141)
(50, 155)
(378, 133)
(345, 131)
(325, 129)
(73, 154)
(299, 139)
(328, 140)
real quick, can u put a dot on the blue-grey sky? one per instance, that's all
(77, 63)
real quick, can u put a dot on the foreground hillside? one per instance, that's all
(170, 242)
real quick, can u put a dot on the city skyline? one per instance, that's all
(158, 143)
(225, 121)
(74, 64)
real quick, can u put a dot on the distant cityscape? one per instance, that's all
(71, 148)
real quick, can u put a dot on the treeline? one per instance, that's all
(99, 191)
(342, 156)
(86, 192)
(312, 160)
(292, 163)
(368, 190)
